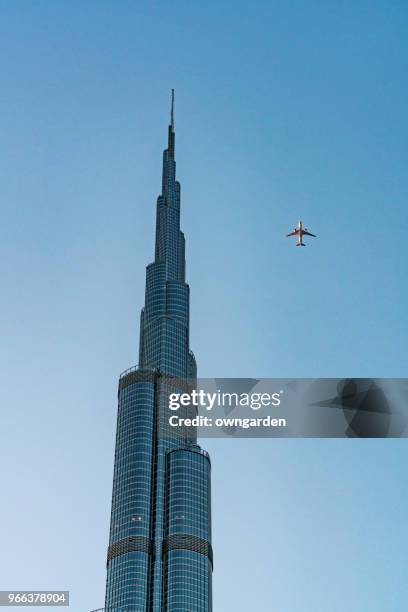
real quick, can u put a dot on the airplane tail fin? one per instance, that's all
(300, 244)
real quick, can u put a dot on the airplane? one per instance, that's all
(300, 231)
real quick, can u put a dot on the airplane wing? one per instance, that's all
(306, 233)
(294, 233)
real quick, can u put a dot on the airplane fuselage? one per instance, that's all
(300, 235)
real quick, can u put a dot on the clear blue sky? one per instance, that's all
(284, 110)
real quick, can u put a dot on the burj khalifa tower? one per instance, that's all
(160, 555)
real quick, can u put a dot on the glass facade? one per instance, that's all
(187, 549)
(160, 555)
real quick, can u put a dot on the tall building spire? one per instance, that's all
(171, 137)
(172, 110)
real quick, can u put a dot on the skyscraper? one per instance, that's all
(160, 555)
